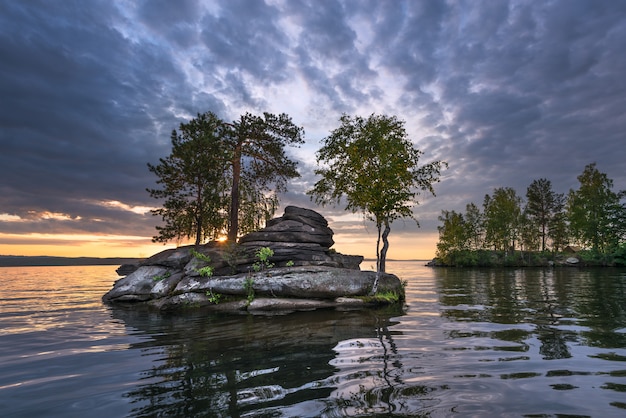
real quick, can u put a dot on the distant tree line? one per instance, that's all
(592, 217)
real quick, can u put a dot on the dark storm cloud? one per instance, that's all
(506, 92)
(244, 37)
(534, 91)
(82, 112)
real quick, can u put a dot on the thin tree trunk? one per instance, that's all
(375, 285)
(383, 253)
(234, 197)
(378, 249)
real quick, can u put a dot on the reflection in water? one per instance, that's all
(516, 343)
(469, 343)
(563, 308)
(232, 365)
(560, 310)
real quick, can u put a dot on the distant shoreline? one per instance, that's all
(399, 259)
(34, 261)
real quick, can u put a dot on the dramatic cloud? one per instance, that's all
(506, 92)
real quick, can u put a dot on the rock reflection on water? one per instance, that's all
(231, 365)
(470, 342)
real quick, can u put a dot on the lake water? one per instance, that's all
(536, 343)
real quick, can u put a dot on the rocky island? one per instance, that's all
(287, 266)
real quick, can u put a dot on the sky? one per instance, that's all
(506, 92)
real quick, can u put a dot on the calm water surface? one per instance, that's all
(536, 343)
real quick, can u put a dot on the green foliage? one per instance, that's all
(223, 177)
(594, 257)
(190, 181)
(468, 258)
(289, 263)
(592, 216)
(258, 167)
(619, 256)
(165, 275)
(543, 208)
(387, 297)
(373, 165)
(502, 218)
(206, 271)
(529, 236)
(511, 259)
(474, 225)
(213, 297)
(263, 254)
(248, 286)
(200, 256)
(597, 218)
(453, 233)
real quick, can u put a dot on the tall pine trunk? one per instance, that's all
(234, 197)
(199, 210)
(198, 232)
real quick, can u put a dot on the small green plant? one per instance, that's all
(165, 275)
(290, 263)
(389, 297)
(206, 271)
(248, 286)
(263, 254)
(384, 298)
(213, 297)
(200, 256)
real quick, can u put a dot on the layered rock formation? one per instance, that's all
(303, 273)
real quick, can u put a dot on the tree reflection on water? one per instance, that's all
(560, 309)
(472, 342)
(214, 365)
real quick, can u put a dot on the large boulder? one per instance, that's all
(297, 225)
(305, 273)
(138, 285)
(305, 282)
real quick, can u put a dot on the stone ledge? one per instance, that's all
(316, 278)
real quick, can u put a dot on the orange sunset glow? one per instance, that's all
(420, 246)
(352, 235)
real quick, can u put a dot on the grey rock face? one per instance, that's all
(296, 225)
(306, 273)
